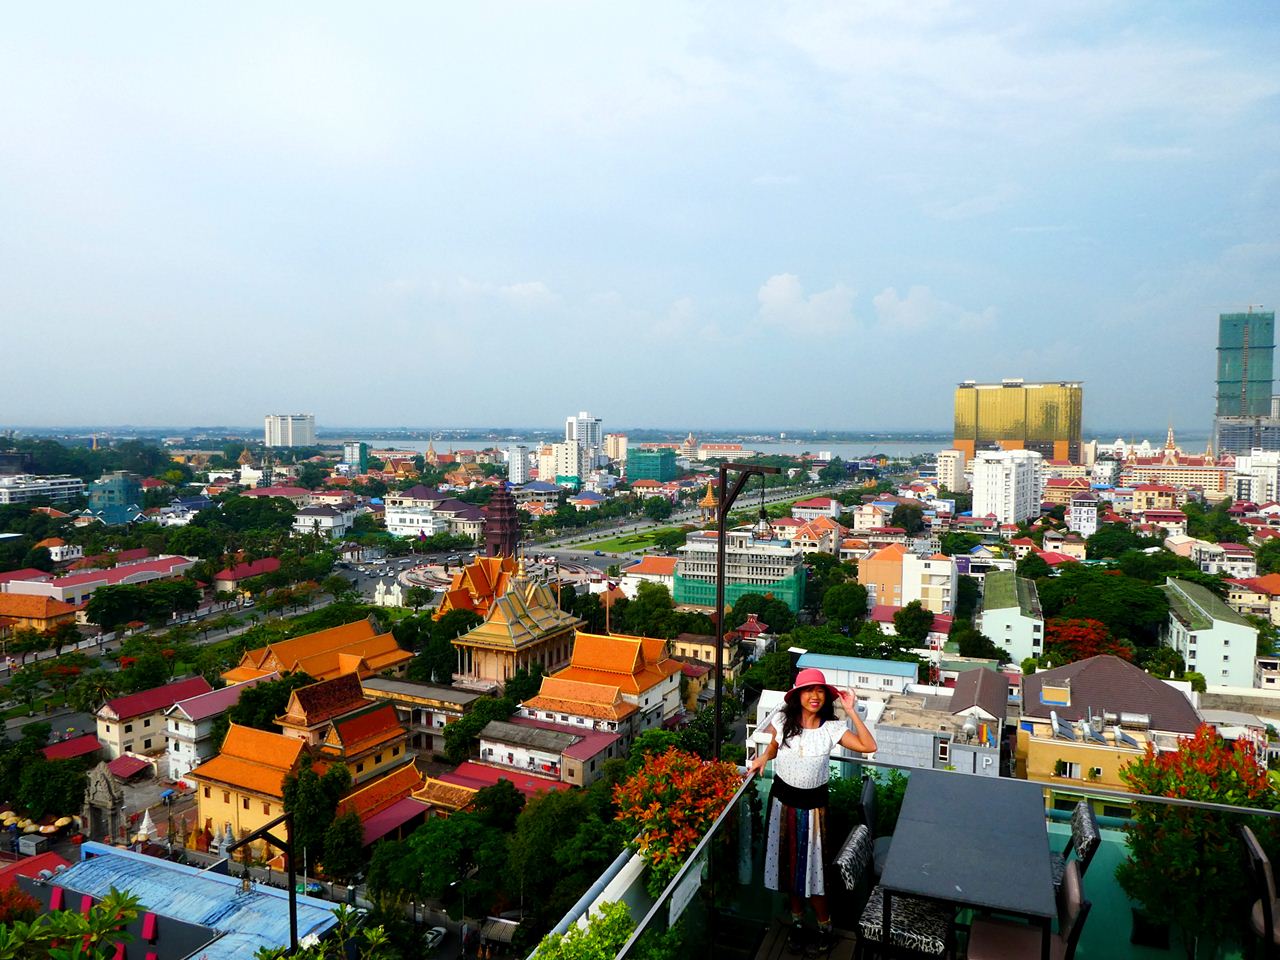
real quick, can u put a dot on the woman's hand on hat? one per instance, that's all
(847, 699)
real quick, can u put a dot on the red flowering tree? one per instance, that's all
(1186, 865)
(1069, 640)
(668, 804)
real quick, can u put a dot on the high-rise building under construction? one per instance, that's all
(1016, 415)
(1246, 413)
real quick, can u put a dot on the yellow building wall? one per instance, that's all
(885, 576)
(219, 805)
(1037, 759)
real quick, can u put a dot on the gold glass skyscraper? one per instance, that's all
(1016, 415)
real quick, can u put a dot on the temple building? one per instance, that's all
(386, 807)
(357, 648)
(313, 709)
(524, 626)
(502, 526)
(243, 786)
(369, 743)
(621, 684)
(709, 505)
(477, 585)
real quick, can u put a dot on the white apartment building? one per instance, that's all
(518, 464)
(1011, 614)
(586, 431)
(290, 430)
(751, 566)
(189, 725)
(951, 471)
(1257, 476)
(414, 521)
(568, 459)
(1008, 484)
(1229, 559)
(24, 488)
(932, 580)
(1105, 472)
(328, 521)
(1213, 639)
(1082, 514)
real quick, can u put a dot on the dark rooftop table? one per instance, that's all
(975, 842)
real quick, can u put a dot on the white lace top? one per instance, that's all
(803, 761)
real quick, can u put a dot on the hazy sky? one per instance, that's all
(729, 214)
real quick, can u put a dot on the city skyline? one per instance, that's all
(889, 200)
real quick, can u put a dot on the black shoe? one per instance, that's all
(822, 943)
(796, 938)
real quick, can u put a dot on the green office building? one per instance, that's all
(657, 465)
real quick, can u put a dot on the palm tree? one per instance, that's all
(94, 689)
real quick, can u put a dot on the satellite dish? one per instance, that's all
(970, 728)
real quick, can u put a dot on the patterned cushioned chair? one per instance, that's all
(1084, 839)
(1266, 909)
(918, 926)
(1007, 940)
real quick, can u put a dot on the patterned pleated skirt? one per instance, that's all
(795, 850)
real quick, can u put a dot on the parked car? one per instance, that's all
(433, 937)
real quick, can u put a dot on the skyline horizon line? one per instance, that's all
(799, 433)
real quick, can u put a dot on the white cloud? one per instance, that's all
(920, 310)
(783, 303)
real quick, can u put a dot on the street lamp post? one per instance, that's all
(727, 497)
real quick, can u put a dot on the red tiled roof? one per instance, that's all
(80, 746)
(281, 491)
(26, 573)
(321, 702)
(368, 727)
(254, 568)
(381, 793)
(30, 868)
(478, 776)
(158, 698)
(126, 766)
(654, 566)
(387, 819)
(161, 565)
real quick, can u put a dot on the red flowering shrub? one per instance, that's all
(16, 905)
(1186, 865)
(669, 803)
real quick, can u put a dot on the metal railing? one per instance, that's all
(654, 917)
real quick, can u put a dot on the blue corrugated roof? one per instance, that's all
(827, 661)
(259, 918)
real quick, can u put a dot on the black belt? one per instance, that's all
(798, 798)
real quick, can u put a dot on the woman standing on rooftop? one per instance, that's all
(803, 736)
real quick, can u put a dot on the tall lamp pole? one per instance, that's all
(727, 497)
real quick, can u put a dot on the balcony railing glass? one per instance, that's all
(717, 906)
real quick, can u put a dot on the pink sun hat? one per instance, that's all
(812, 677)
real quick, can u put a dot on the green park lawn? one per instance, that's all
(630, 541)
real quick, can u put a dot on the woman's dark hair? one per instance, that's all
(792, 711)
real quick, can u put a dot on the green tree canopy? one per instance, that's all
(1033, 566)
(845, 605)
(313, 800)
(913, 622)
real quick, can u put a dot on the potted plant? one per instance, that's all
(668, 804)
(1185, 865)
